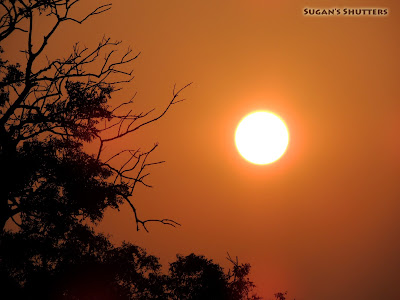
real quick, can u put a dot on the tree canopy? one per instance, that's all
(49, 111)
(78, 263)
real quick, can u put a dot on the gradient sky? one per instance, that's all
(322, 222)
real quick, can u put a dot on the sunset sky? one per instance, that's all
(323, 221)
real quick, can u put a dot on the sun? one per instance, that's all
(261, 137)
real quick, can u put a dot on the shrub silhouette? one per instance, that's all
(77, 263)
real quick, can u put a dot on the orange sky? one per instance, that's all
(322, 222)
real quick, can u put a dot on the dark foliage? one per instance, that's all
(45, 262)
(76, 264)
(60, 180)
(50, 111)
(195, 277)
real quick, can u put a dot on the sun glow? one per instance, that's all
(261, 137)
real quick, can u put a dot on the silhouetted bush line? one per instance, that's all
(77, 263)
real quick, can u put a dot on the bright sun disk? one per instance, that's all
(261, 137)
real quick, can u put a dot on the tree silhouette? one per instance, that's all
(195, 277)
(49, 111)
(239, 283)
(76, 264)
(71, 261)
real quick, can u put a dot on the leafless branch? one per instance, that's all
(143, 222)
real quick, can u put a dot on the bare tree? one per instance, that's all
(48, 112)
